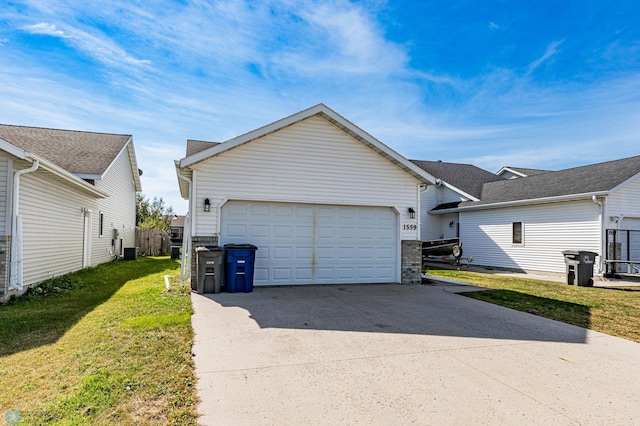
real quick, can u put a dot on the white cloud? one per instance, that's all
(44, 29)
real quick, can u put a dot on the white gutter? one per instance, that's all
(185, 259)
(544, 200)
(15, 266)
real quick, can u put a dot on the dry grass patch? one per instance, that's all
(114, 349)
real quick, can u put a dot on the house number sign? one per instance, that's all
(409, 227)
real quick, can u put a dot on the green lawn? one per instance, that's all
(614, 311)
(107, 345)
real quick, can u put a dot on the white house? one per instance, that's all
(67, 201)
(455, 182)
(324, 201)
(526, 223)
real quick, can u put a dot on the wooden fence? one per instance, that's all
(152, 242)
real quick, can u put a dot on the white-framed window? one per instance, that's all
(101, 225)
(517, 233)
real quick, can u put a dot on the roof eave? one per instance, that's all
(182, 184)
(514, 203)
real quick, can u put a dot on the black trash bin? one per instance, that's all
(239, 265)
(579, 267)
(175, 252)
(210, 269)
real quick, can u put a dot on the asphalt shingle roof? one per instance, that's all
(195, 146)
(578, 180)
(75, 151)
(528, 172)
(465, 177)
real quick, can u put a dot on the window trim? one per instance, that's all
(513, 233)
(101, 224)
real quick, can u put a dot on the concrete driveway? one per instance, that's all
(391, 354)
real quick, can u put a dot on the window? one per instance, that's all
(101, 229)
(516, 234)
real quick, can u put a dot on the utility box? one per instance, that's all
(239, 262)
(579, 267)
(210, 268)
(175, 252)
(131, 253)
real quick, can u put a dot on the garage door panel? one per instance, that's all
(306, 244)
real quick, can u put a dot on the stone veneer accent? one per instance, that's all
(411, 253)
(197, 242)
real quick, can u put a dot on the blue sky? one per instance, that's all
(545, 84)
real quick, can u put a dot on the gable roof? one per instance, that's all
(195, 146)
(321, 110)
(84, 154)
(521, 171)
(578, 182)
(463, 177)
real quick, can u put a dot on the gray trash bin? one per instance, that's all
(210, 269)
(579, 267)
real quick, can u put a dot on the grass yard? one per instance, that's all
(614, 311)
(106, 345)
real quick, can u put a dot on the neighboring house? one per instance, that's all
(67, 201)
(176, 228)
(508, 172)
(324, 201)
(455, 183)
(526, 223)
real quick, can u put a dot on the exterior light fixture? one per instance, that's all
(412, 213)
(207, 205)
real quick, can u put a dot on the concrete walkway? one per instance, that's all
(391, 355)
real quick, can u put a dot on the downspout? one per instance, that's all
(15, 266)
(603, 237)
(185, 260)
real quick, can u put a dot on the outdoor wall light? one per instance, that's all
(412, 213)
(451, 224)
(207, 205)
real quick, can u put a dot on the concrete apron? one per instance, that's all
(390, 354)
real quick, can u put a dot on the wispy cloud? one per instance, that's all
(552, 49)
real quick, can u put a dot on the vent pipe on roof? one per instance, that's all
(15, 266)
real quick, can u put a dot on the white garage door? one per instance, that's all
(315, 244)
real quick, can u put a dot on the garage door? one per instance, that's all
(315, 244)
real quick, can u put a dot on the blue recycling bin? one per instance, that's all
(239, 260)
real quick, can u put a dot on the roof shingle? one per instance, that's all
(465, 177)
(578, 180)
(85, 153)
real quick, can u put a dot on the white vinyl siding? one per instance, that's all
(433, 227)
(52, 226)
(309, 162)
(119, 209)
(6, 182)
(548, 229)
(625, 203)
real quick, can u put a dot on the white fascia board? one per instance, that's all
(184, 186)
(510, 170)
(132, 162)
(328, 114)
(625, 183)
(546, 200)
(56, 170)
(459, 191)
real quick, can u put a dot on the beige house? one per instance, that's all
(67, 201)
